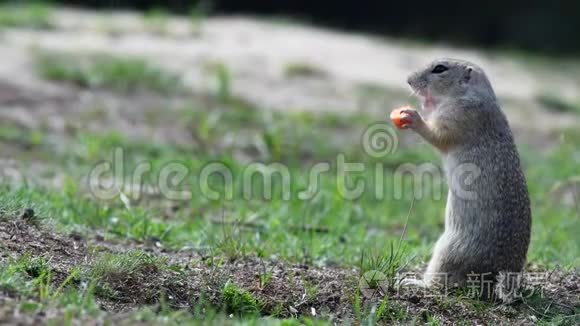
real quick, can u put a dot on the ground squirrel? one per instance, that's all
(487, 217)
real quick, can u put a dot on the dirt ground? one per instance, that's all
(285, 294)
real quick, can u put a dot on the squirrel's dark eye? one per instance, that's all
(439, 69)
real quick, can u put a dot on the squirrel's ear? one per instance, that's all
(467, 75)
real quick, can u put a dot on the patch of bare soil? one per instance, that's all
(66, 110)
(281, 288)
(19, 237)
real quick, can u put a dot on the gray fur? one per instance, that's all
(488, 216)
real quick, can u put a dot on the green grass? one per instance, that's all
(199, 11)
(122, 74)
(367, 224)
(301, 69)
(30, 278)
(326, 229)
(555, 103)
(112, 265)
(156, 20)
(379, 270)
(26, 138)
(221, 80)
(25, 15)
(110, 272)
(16, 276)
(239, 301)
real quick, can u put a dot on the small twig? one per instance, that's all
(571, 316)
(547, 308)
(406, 222)
(252, 225)
(405, 231)
(576, 199)
(563, 306)
(534, 310)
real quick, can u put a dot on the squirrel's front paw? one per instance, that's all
(406, 117)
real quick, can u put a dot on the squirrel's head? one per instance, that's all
(446, 80)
